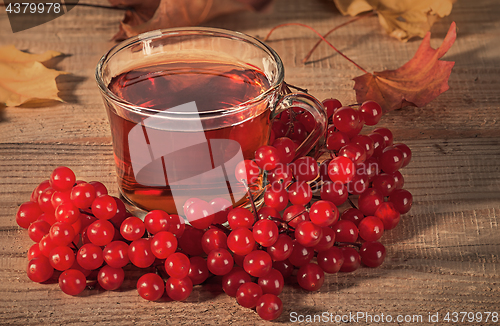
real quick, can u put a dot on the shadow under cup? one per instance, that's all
(185, 106)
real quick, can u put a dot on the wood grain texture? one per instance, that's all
(444, 255)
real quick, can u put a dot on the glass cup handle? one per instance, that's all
(315, 108)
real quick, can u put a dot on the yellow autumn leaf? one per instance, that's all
(23, 77)
(402, 19)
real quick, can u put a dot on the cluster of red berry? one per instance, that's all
(87, 235)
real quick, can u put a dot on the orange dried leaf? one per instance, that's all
(157, 14)
(402, 19)
(416, 83)
(23, 78)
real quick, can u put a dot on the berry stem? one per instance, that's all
(91, 214)
(333, 30)
(297, 215)
(250, 198)
(315, 183)
(91, 284)
(74, 247)
(82, 211)
(322, 38)
(276, 219)
(352, 204)
(222, 228)
(345, 244)
(159, 272)
(321, 151)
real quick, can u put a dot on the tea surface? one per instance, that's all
(213, 86)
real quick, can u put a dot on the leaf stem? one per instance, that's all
(322, 38)
(333, 30)
(303, 90)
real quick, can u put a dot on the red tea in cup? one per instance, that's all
(185, 106)
(212, 86)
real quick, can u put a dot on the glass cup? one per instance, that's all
(185, 106)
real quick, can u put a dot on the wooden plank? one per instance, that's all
(444, 253)
(468, 109)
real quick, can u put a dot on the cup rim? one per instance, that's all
(207, 31)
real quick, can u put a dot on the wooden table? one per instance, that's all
(444, 255)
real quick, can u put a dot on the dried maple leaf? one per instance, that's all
(416, 83)
(156, 14)
(23, 78)
(402, 19)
